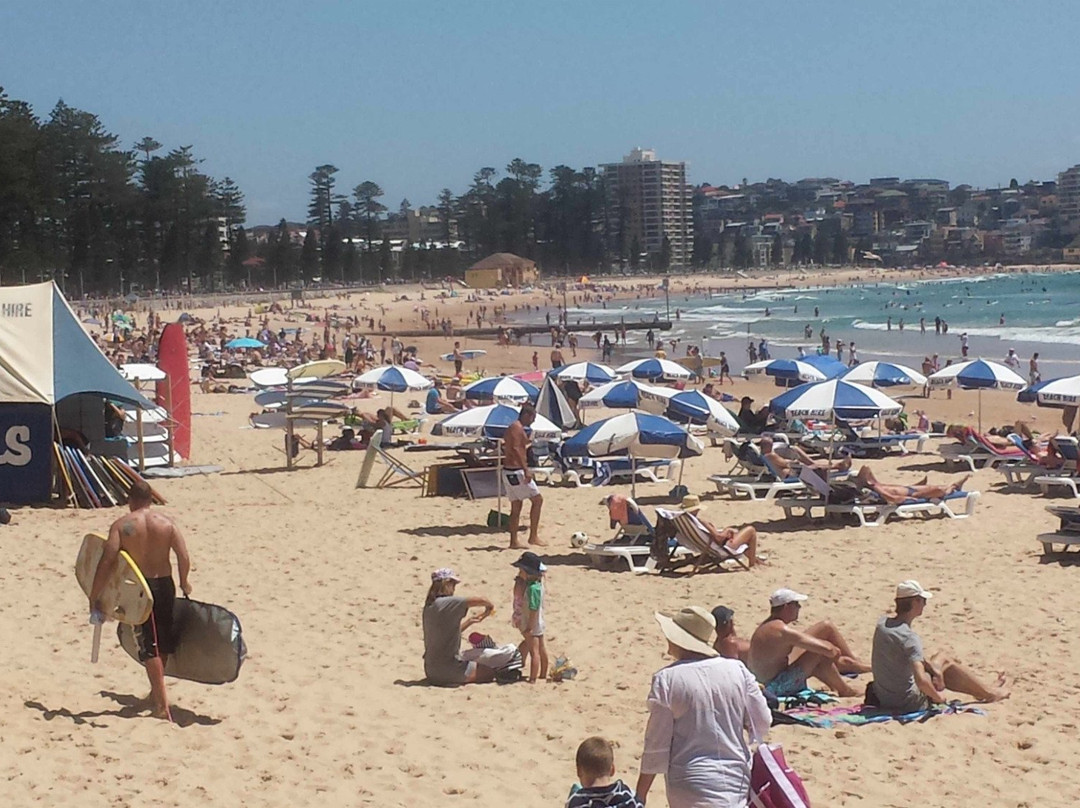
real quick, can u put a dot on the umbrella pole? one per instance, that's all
(633, 476)
(498, 481)
(980, 409)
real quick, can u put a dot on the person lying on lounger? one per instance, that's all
(896, 494)
(729, 537)
(789, 466)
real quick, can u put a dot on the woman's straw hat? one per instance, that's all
(691, 503)
(690, 629)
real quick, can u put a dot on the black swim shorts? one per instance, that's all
(156, 635)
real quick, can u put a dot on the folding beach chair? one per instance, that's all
(704, 552)
(394, 469)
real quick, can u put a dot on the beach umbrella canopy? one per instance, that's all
(501, 388)
(552, 404)
(806, 369)
(655, 370)
(591, 372)
(1058, 393)
(244, 342)
(695, 407)
(628, 394)
(491, 422)
(884, 374)
(392, 378)
(978, 374)
(636, 434)
(834, 398)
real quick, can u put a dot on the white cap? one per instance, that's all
(912, 589)
(782, 597)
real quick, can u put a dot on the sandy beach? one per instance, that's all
(329, 582)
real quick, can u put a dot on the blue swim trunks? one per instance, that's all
(788, 682)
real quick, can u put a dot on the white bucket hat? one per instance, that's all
(691, 629)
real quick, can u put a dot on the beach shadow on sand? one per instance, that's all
(130, 706)
(450, 531)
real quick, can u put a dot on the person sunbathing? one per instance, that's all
(730, 538)
(789, 466)
(896, 494)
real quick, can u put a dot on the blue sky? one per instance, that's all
(417, 96)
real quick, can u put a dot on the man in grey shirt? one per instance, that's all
(904, 680)
(446, 616)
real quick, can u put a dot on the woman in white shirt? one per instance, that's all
(701, 710)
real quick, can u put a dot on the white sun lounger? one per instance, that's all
(1067, 534)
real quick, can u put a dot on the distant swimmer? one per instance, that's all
(148, 537)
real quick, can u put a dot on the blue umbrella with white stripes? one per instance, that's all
(491, 422)
(655, 370)
(628, 394)
(1059, 393)
(636, 434)
(501, 388)
(806, 369)
(834, 398)
(884, 374)
(591, 372)
(695, 407)
(393, 379)
(978, 374)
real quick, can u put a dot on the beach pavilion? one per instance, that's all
(501, 270)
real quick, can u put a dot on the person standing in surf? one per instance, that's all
(148, 537)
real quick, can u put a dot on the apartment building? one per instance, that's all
(1068, 197)
(648, 200)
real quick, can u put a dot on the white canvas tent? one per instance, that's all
(45, 357)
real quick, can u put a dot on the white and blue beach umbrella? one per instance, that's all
(655, 370)
(501, 388)
(884, 374)
(978, 374)
(628, 394)
(806, 369)
(834, 398)
(695, 407)
(1058, 393)
(491, 422)
(591, 372)
(553, 405)
(636, 434)
(392, 378)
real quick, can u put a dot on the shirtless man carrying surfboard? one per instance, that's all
(148, 537)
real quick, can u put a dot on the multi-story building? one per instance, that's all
(1068, 197)
(648, 200)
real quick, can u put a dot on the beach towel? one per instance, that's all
(860, 714)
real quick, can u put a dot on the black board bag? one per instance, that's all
(210, 648)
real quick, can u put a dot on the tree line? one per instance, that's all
(78, 207)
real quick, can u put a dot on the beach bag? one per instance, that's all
(773, 784)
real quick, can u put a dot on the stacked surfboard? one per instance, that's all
(302, 394)
(91, 481)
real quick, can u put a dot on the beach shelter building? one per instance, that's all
(501, 270)
(49, 367)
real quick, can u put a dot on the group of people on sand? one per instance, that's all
(713, 701)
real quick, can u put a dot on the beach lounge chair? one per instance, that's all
(699, 549)
(977, 452)
(633, 537)
(397, 472)
(870, 510)
(1068, 532)
(764, 487)
(1067, 476)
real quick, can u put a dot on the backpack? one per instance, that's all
(773, 784)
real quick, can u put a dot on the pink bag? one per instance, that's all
(773, 784)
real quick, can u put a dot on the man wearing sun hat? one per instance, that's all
(784, 658)
(701, 709)
(904, 679)
(738, 541)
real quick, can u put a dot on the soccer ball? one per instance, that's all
(579, 539)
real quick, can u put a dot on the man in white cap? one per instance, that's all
(701, 709)
(783, 658)
(904, 679)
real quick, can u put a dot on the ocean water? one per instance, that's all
(1041, 313)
